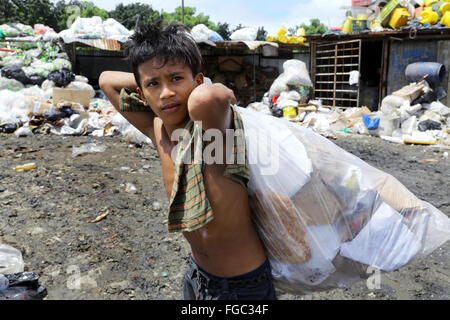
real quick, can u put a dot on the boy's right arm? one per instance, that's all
(111, 83)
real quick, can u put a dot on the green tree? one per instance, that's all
(28, 12)
(190, 19)
(130, 14)
(261, 35)
(89, 9)
(224, 30)
(315, 27)
(66, 13)
(238, 27)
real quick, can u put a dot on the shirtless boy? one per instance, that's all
(228, 260)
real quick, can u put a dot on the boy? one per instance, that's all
(208, 202)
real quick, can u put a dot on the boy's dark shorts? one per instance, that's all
(199, 285)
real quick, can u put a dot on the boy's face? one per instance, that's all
(167, 88)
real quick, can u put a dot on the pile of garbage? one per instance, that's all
(379, 15)
(413, 114)
(95, 28)
(82, 28)
(15, 284)
(27, 105)
(32, 111)
(30, 63)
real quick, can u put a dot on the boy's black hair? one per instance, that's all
(171, 42)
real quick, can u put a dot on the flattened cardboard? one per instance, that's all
(74, 95)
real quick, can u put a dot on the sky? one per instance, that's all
(253, 13)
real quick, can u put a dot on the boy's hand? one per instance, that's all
(111, 83)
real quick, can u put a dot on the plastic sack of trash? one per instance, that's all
(21, 286)
(9, 31)
(244, 34)
(324, 215)
(200, 32)
(296, 73)
(10, 84)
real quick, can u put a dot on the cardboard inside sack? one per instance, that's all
(74, 95)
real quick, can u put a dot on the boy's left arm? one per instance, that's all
(210, 104)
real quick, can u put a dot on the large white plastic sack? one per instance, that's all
(14, 107)
(244, 34)
(79, 85)
(296, 73)
(201, 32)
(324, 215)
(112, 27)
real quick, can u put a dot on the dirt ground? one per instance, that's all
(44, 213)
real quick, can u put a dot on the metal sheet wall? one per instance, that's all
(402, 53)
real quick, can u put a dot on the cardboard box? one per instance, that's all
(230, 63)
(79, 96)
(410, 92)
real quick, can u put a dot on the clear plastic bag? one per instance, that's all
(11, 260)
(324, 215)
(87, 148)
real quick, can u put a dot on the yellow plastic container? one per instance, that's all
(445, 21)
(362, 16)
(399, 18)
(283, 39)
(301, 32)
(347, 27)
(281, 32)
(429, 16)
(444, 8)
(290, 112)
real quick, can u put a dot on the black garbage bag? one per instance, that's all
(277, 112)
(429, 125)
(23, 286)
(9, 127)
(36, 80)
(428, 97)
(15, 72)
(62, 78)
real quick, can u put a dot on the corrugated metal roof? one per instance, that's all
(104, 44)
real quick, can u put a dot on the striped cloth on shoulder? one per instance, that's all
(189, 207)
(130, 101)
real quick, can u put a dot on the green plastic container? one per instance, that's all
(386, 13)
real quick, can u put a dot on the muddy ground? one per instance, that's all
(44, 213)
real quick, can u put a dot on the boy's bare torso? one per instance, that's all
(229, 245)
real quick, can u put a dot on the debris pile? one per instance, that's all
(413, 114)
